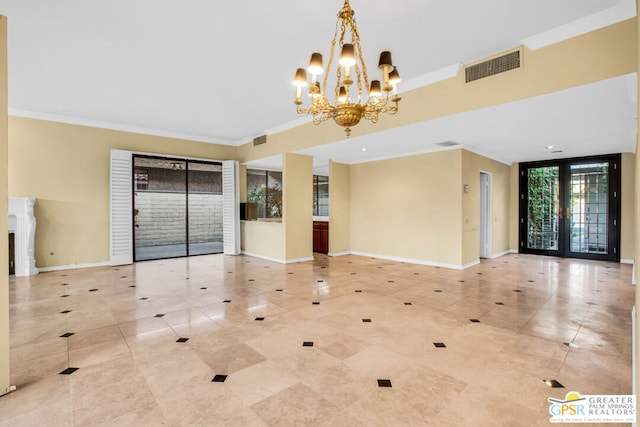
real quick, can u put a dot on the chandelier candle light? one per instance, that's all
(349, 107)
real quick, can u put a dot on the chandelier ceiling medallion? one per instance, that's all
(349, 105)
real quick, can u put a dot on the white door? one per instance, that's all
(485, 215)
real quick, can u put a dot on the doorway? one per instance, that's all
(571, 208)
(177, 207)
(485, 214)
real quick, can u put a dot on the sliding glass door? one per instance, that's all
(177, 207)
(571, 207)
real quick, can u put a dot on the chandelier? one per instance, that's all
(349, 105)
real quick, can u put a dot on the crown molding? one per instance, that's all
(624, 10)
(113, 126)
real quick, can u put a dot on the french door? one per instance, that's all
(571, 208)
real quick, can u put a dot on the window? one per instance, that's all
(320, 195)
(141, 177)
(265, 189)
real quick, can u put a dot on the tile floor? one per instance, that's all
(348, 341)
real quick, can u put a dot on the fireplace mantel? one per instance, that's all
(22, 222)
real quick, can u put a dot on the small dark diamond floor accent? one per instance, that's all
(219, 378)
(530, 281)
(65, 312)
(63, 296)
(408, 303)
(439, 345)
(252, 280)
(320, 281)
(290, 273)
(229, 272)
(279, 290)
(159, 315)
(478, 273)
(63, 275)
(416, 274)
(307, 344)
(499, 303)
(93, 290)
(123, 277)
(67, 334)
(366, 320)
(182, 340)
(65, 284)
(475, 320)
(553, 383)
(384, 383)
(353, 274)
(316, 303)
(203, 288)
(144, 298)
(259, 319)
(358, 290)
(460, 281)
(132, 286)
(227, 301)
(438, 290)
(68, 371)
(517, 290)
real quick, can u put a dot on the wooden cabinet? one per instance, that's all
(321, 237)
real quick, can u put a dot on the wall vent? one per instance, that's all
(497, 65)
(259, 140)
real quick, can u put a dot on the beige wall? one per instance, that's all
(339, 208)
(627, 201)
(514, 206)
(263, 239)
(472, 165)
(598, 55)
(297, 177)
(408, 207)
(4, 244)
(67, 168)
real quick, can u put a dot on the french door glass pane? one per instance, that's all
(160, 218)
(205, 208)
(589, 196)
(543, 209)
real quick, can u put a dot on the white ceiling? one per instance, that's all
(221, 72)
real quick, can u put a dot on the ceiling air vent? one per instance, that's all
(497, 65)
(259, 140)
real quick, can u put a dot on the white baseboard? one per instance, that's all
(503, 253)
(279, 261)
(73, 266)
(334, 254)
(626, 261)
(417, 261)
(295, 260)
